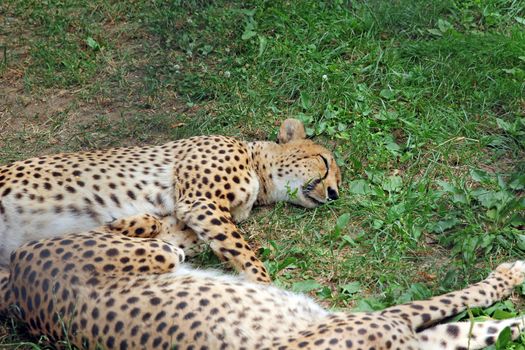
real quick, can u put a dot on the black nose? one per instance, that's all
(332, 194)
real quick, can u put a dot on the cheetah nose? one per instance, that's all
(332, 194)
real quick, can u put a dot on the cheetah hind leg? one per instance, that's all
(467, 335)
(129, 250)
(168, 228)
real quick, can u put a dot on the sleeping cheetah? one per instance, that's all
(203, 183)
(104, 290)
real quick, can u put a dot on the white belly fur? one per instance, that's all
(41, 221)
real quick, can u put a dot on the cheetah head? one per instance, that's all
(306, 173)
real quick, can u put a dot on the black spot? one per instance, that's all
(492, 330)
(135, 312)
(45, 253)
(181, 305)
(112, 252)
(220, 237)
(144, 338)
(172, 330)
(94, 330)
(453, 331)
(99, 199)
(119, 326)
(90, 243)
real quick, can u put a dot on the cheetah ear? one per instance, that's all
(291, 129)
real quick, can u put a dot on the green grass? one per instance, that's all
(422, 102)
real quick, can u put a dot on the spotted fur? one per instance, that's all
(104, 289)
(203, 183)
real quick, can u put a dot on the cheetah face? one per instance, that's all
(307, 171)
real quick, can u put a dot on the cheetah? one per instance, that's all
(102, 289)
(205, 184)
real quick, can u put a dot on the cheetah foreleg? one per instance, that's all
(213, 223)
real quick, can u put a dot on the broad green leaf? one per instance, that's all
(447, 187)
(520, 241)
(351, 288)
(479, 175)
(517, 220)
(504, 338)
(305, 286)
(248, 34)
(392, 146)
(262, 45)
(488, 199)
(359, 187)
(393, 183)
(288, 262)
(444, 26)
(249, 30)
(325, 293)
(347, 240)
(92, 43)
(247, 12)
(377, 224)
(504, 125)
(306, 102)
(417, 291)
(434, 31)
(458, 195)
(343, 220)
(310, 131)
(368, 305)
(502, 314)
(396, 211)
(459, 198)
(517, 182)
(443, 225)
(387, 93)
(487, 240)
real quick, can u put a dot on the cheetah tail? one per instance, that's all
(468, 335)
(5, 293)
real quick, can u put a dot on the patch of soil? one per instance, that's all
(39, 110)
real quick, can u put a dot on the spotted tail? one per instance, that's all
(467, 335)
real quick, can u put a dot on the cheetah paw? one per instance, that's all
(515, 271)
(180, 254)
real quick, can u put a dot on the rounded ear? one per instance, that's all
(291, 129)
